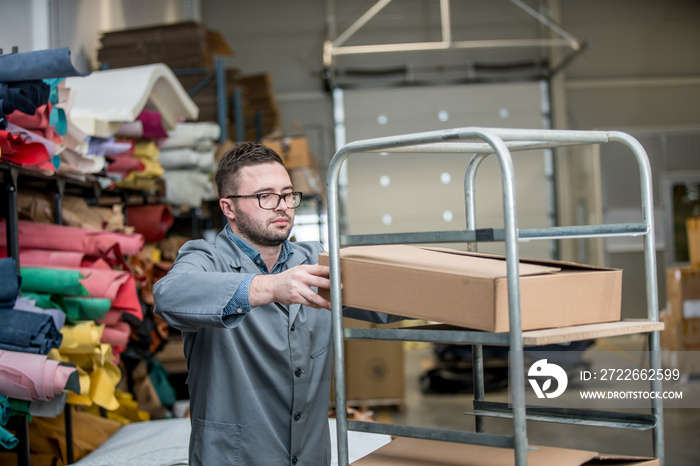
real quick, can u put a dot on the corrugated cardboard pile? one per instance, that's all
(301, 163)
(260, 111)
(185, 45)
(682, 313)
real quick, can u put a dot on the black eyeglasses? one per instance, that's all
(270, 201)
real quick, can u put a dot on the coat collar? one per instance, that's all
(239, 260)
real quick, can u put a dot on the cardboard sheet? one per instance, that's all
(415, 452)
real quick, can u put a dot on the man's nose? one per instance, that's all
(280, 203)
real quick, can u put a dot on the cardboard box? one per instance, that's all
(172, 356)
(470, 290)
(692, 227)
(682, 314)
(260, 110)
(185, 44)
(406, 451)
(374, 370)
(307, 180)
(293, 150)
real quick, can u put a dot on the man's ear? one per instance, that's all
(226, 206)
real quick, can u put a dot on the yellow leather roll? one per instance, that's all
(81, 338)
(102, 390)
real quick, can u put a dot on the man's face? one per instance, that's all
(256, 225)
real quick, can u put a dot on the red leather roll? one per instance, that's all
(153, 220)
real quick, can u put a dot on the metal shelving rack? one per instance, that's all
(479, 143)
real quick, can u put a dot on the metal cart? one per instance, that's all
(479, 143)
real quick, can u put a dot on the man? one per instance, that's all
(256, 333)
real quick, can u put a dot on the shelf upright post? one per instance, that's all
(221, 107)
(68, 421)
(58, 220)
(336, 306)
(10, 178)
(12, 233)
(477, 349)
(22, 434)
(651, 280)
(237, 103)
(58, 200)
(516, 358)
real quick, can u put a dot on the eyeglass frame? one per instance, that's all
(279, 199)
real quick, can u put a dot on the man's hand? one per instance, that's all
(292, 286)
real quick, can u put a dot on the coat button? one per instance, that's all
(293, 328)
(295, 460)
(297, 416)
(298, 372)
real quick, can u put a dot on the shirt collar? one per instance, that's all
(254, 254)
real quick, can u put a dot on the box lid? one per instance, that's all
(441, 260)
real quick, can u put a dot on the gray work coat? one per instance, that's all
(259, 383)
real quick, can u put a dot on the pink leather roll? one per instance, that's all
(27, 376)
(94, 243)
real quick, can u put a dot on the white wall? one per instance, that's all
(17, 26)
(78, 24)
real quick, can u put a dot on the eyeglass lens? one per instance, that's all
(272, 200)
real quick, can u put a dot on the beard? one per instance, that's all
(259, 232)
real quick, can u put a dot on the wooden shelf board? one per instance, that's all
(588, 332)
(564, 334)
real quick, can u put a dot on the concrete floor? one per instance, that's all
(681, 425)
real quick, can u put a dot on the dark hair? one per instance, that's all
(241, 155)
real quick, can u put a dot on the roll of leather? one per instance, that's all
(93, 243)
(52, 281)
(152, 221)
(28, 376)
(39, 64)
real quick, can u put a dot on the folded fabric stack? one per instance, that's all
(29, 332)
(27, 337)
(36, 130)
(120, 129)
(188, 157)
(35, 107)
(83, 274)
(62, 121)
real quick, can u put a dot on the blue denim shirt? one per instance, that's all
(240, 302)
